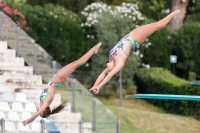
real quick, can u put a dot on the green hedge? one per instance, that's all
(161, 81)
(186, 46)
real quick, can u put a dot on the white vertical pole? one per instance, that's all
(120, 85)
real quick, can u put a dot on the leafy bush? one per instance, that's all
(14, 13)
(186, 46)
(161, 81)
(57, 30)
(131, 90)
(192, 76)
(157, 55)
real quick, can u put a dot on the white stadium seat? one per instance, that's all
(4, 106)
(39, 118)
(13, 116)
(23, 128)
(26, 115)
(36, 126)
(10, 127)
(7, 96)
(2, 89)
(30, 107)
(2, 115)
(17, 106)
(21, 97)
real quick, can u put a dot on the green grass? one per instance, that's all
(137, 116)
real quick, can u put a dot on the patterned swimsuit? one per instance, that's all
(46, 92)
(119, 46)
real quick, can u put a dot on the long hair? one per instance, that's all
(56, 109)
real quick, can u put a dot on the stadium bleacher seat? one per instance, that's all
(25, 115)
(2, 115)
(1, 73)
(2, 89)
(7, 96)
(39, 118)
(13, 116)
(51, 128)
(4, 106)
(17, 106)
(36, 126)
(23, 128)
(30, 107)
(1, 100)
(21, 97)
(10, 127)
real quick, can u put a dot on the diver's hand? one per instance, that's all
(95, 90)
(27, 121)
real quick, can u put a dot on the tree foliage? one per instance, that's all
(157, 55)
(154, 9)
(193, 11)
(186, 47)
(157, 9)
(57, 30)
(74, 5)
(13, 13)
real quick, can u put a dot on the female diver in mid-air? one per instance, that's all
(58, 79)
(119, 54)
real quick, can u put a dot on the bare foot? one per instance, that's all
(97, 47)
(176, 12)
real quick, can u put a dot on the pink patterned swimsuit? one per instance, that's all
(45, 92)
(119, 46)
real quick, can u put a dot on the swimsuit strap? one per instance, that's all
(133, 43)
(44, 94)
(123, 52)
(56, 84)
(51, 94)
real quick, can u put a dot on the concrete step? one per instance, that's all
(9, 53)
(7, 23)
(31, 92)
(12, 70)
(15, 64)
(74, 129)
(14, 86)
(10, 33)
(13, 60)
(3, 45)
(26, 79)
(36, 100)
(72, 118)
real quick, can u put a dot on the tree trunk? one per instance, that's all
(182, 5)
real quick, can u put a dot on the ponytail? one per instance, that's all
(56, 109)
(59, 108)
